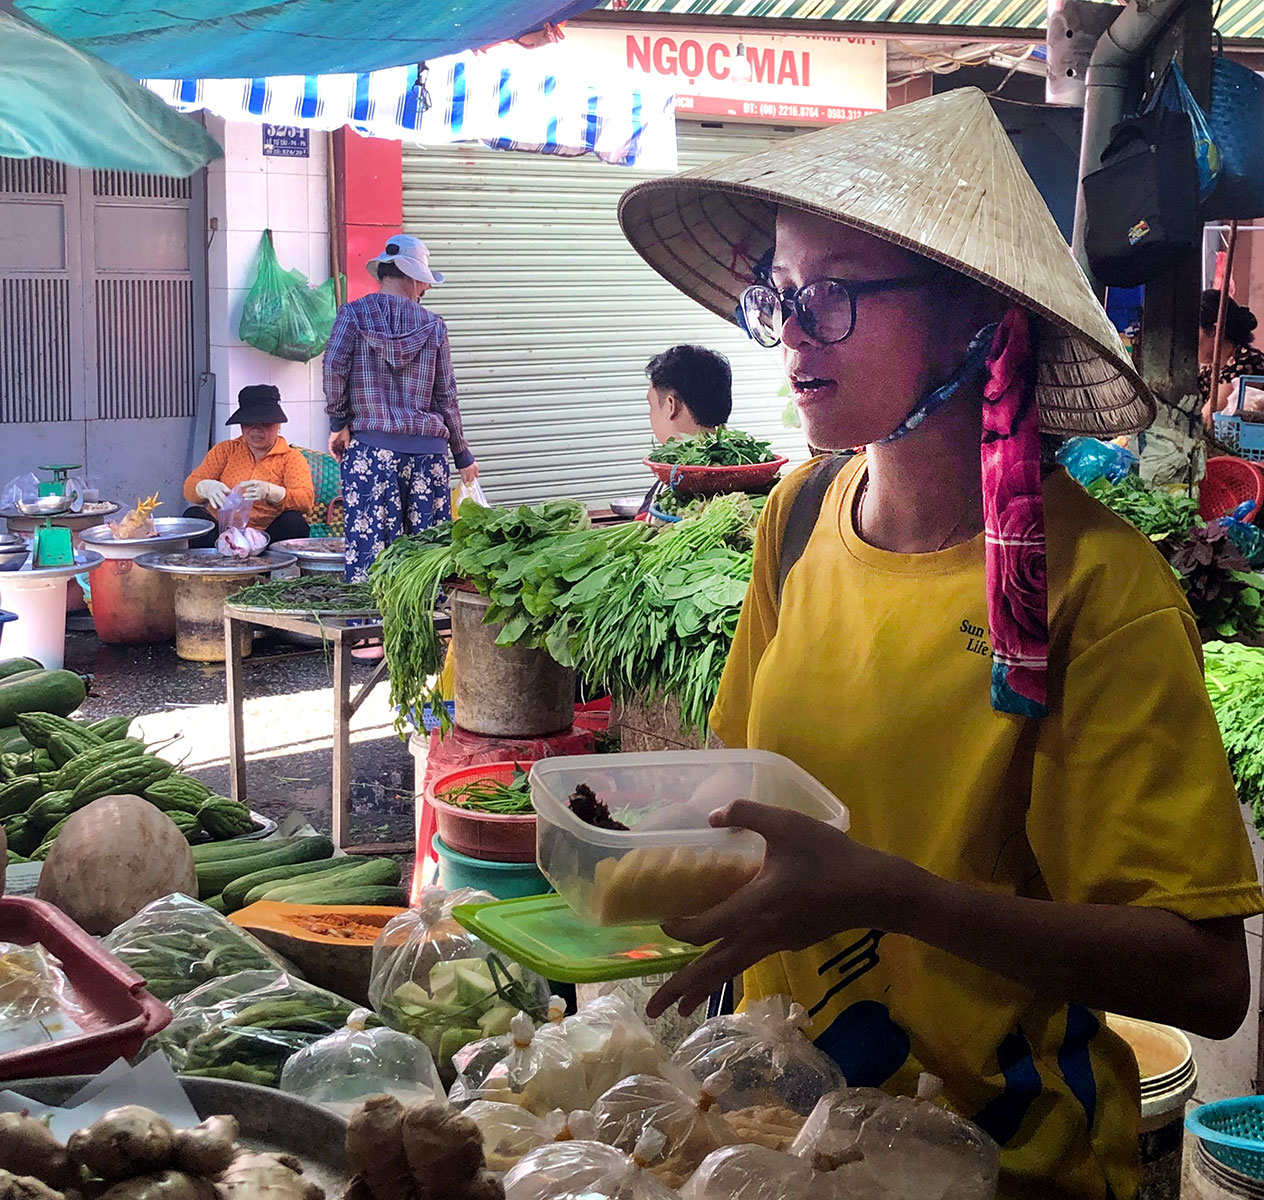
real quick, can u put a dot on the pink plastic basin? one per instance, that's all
(489, 836)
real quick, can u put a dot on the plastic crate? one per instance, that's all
(1244, 438)
(1232, 1132)
(121, 1013)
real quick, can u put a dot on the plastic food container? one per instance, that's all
(121, 1013)
(669, 863)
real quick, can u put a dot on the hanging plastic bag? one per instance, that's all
(1237, 124)
(1173, 94)
(473, 492)
(436, 981)
(177, 944)
(282, 315)
(583, 1170)
(339, 1071)
(881, 1145)
(677, 1108)
(1087, 460)
(778, 1075)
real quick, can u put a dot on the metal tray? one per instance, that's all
(307, 550)
(216, 563)
(170, 529)
(270, 1120)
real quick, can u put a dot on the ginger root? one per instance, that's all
(165, 1185)
(25, 1187)
(265, 1177)
(209, 1148)
(29, 1147)
(124, 1143)
(444, 1149)
(375, 1146)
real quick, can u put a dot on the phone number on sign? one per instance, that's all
(801, 112)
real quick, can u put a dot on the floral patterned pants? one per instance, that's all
(388, 493)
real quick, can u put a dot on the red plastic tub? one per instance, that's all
(488, 836)
(715, 481)
(121, 1013)
(1228, 483)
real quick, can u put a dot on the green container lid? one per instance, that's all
(544, 934)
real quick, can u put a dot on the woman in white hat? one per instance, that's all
(391, 399)
(999, 678)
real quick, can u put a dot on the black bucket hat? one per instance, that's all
(258, 404)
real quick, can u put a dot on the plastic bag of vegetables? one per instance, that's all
(535, 1068)
(340, 1070)
(764, 1049)
(434, 980)
(246, 1026)
(684, 1114)
(588, 1171)
(757, 1173)
(177, 944)
(610, 1043)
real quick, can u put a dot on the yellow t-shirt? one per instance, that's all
(875, 677)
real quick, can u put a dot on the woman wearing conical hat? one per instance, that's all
(999, 678)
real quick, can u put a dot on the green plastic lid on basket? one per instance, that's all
(542, 933)
(1232, 1132)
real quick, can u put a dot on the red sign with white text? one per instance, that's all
(801, 78)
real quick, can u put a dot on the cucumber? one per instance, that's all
(236, 892)
(59, 692)
(214, 877)
(378, 872)
(387, 897)
(215, 904)
(18, 666)
(221, 850)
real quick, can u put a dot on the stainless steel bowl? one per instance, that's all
(13, 553)
(627, 506)
(46, 506)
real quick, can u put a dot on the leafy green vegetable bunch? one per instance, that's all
(723, 448)
(1159, 514)
(1235, 683)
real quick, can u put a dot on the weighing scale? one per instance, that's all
(51, 545)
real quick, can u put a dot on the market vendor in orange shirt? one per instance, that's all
(272, 473)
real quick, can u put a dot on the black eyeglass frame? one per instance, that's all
(808, 325)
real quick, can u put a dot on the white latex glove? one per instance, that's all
(213, 491)
(259, 489)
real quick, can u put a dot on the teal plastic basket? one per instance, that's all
(1232, 1132)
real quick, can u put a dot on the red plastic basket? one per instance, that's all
(1228, 483)
(121, 1013)
(715, 481)
(489, 836)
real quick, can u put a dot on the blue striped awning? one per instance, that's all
(507, 97)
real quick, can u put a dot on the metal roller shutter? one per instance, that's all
(553, 316)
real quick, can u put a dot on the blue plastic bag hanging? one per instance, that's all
(1173, 94)
(1087, 460)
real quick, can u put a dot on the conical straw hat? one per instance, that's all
(939, 177)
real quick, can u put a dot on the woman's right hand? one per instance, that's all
(815, 882)
(213, 491)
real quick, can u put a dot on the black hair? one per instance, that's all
(1240, 321)
(702, 379)
(387, 270)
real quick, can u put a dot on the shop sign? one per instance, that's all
(801, 78)
(286, 141)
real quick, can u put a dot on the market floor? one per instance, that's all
(288, 726)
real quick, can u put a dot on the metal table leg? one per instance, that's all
(342, 737)
(236, 732)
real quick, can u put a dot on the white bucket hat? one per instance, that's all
(410, 255)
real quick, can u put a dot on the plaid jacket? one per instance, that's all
(388, 368)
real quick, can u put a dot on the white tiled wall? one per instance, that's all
(246, 194)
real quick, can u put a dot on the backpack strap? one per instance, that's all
(805, 508)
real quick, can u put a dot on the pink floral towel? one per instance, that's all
(1013, 516)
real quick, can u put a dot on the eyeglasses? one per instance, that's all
(824, 308)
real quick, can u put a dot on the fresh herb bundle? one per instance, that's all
(1235, 683)
(723, 448)
(1226, 595)
(512, 799)
(1157, 513)
(309, 593)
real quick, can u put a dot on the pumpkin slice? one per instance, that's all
(331, 944)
